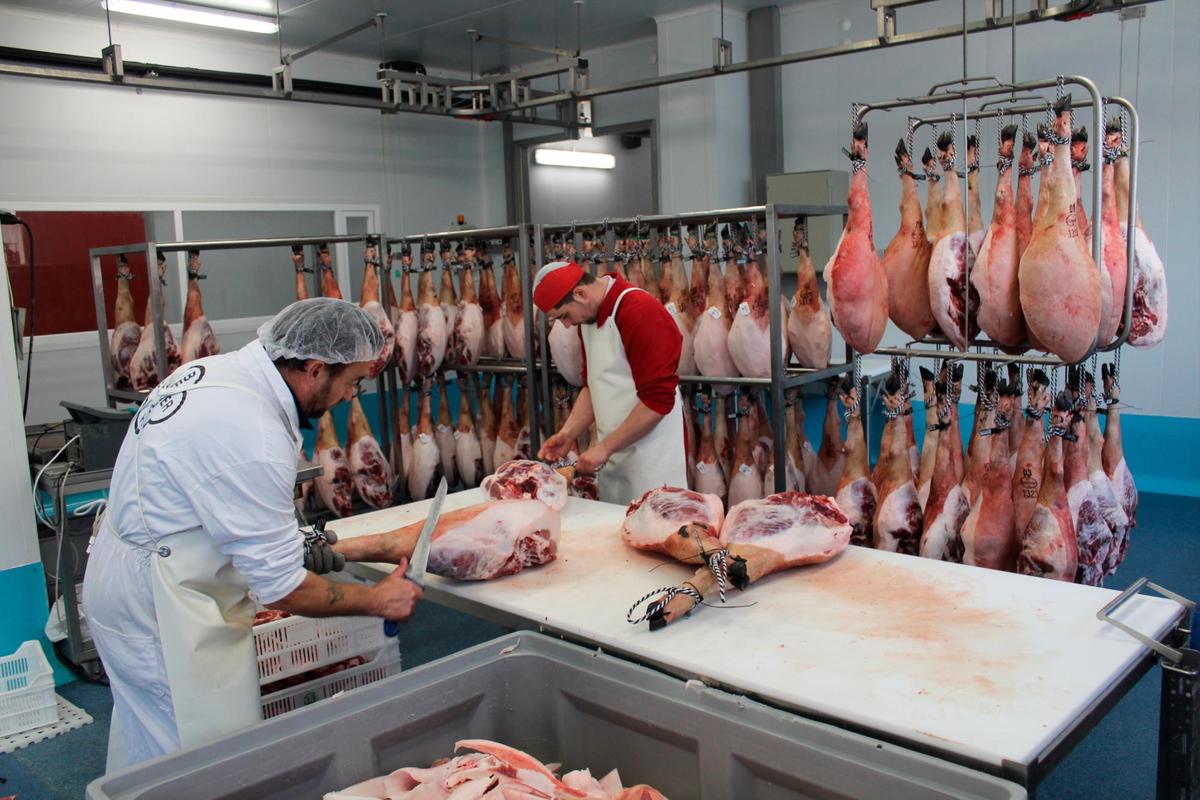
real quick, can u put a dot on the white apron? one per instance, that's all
(204, 616)
(658, 458)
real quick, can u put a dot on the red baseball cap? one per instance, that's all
(554, 282)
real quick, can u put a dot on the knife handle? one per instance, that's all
(391, 628)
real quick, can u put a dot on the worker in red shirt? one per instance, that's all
(631, 390)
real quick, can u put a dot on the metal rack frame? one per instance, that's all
(1097, 104)
(502, 366)
(782, 377)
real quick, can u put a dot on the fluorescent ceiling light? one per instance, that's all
(198, 15)
(574, 158)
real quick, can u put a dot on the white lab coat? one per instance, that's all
(207, 470)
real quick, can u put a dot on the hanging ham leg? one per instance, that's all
(746, 482)
(444, 434)
(335, 484)
(988, 533)
(447, 297)
(809, 330)
(488, 425)
(856, 495)
(807, 455)
(929, 446)
(677, 299)
(301, 271)
(906, 260)
(513, 311)
(979, 446)
(329, 284)
(709, 475)
(750, 329)
(1110, 306)
(431, 321)
(143, 364)
(1016, 426)
(721, 442)
(1149, 324)
(126, 333)
(509, 431)
(521, 410)
(425, 463)
(1093, 538)
(1060, 286)
(1048, 547)
(199, 341)
(1027, 473)
(1114, 255)
(371, 471)
(1113, 458)
(933, 196)
(994, 274)
(953, 301)
(1080, 165)
(858, 286)
(831, 457)
(796, 443)
(404, 320)
(975, 230)
(1024, 202)
(466, 339)
(403, 448)
(370, 302)
(897, 523)
(489, 302)
(1110, 507)
(947, 506)
(711, 340)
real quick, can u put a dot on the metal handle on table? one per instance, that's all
(1173, 655)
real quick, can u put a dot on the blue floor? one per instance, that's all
(1116, 761)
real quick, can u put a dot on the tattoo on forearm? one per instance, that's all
(335, 594)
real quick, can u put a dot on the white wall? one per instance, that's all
(817, 95)
(561, 194)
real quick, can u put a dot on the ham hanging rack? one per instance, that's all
(759, 219)
(1015, 100)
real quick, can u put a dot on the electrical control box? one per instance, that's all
(819, 187)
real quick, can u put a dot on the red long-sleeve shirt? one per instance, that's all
(652, 343)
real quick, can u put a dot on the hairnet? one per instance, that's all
(322, 329)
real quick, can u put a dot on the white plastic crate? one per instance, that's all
(26, 690)
(294, 645)
(384, 663)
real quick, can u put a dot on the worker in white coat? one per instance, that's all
(631, 349)
(201, 523)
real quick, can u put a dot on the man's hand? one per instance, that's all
(395, 597)
(554, 448)
(592, 460)
(319, 556)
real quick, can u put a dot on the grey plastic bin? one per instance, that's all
(560, 702)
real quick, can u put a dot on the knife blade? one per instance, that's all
(420, 554)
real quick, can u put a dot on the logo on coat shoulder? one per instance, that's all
(168, 397)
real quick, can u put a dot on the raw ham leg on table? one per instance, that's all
(431, 322)
(1048, 547)
(764, 536)
(490, 540)
(858, 286)
(468, 451)
(994, 274)
(371, 471)
(929, 446)
(1027, 472)
(490, 303)
(509, 431)
(1060, 286)
(126, 333)
(527, 480)
(809, 331)
(933, 195)
(906, 260)
(143, 364)
(1093, 537)
(826, 471)
(447, 297)
(1023, 207)
(513, 309)
(988, 533)
(404, 320)
(947, 506)
(953, 301)
(444, 434)
(1115, 467)
(897, 523)
(676, 296)
(335, 484)
(975, 229)
(199, 341)
(425, 464)
(709, 475)
(711, 340)
(856, 495)
(677, 522)
(369, 300)
(746, 481)
(1149, 324)
(466, 338)
(488, 424)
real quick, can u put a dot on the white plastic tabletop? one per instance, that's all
(989, 667)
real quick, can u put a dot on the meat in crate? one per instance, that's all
(289, 645)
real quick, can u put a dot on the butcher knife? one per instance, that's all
(420, 554)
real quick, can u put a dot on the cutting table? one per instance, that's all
(993, 670)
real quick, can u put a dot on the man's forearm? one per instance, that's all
(388, 547)
(318, 597)
(640, 421)
(582, 415)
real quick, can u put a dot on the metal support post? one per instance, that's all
(777, 365)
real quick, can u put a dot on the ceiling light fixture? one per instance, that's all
(574, 158)
(197, 15)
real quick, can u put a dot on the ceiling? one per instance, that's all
(434, 32)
